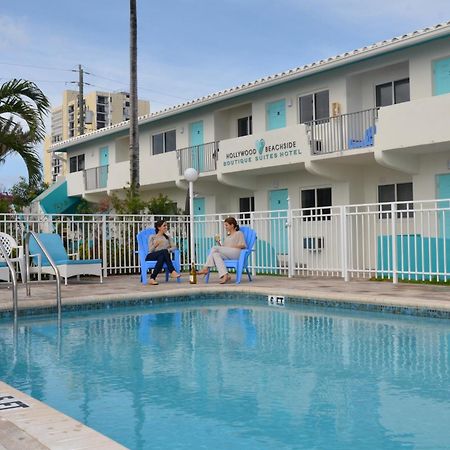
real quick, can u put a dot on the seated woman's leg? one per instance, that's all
(209, 261)
(159, 257)
(221, 254)
(169, 264)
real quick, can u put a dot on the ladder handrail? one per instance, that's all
(50, 260)
(12, 271)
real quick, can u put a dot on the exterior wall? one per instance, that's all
(417, 123)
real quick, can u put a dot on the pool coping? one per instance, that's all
(390, 304)
(29, 423)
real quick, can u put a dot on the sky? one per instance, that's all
(187, 48)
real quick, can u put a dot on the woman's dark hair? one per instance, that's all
(232, 221)
(158, 225)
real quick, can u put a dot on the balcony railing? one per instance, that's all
(343, 132)
(203, 157)
(96, 178)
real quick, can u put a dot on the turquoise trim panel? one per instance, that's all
(276, 115)
(443, 192)
(196, 142)
(278, 200)
(441, 76)
(417, 254)
(203, 243)
(56, 201)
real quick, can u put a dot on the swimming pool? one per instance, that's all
(239, 374)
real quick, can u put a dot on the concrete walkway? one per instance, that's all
(119, 287)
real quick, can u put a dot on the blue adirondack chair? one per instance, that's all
(67, 267)
(367, 141)
(142, 240)
(241, 264)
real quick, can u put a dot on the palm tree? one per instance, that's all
(22, 103)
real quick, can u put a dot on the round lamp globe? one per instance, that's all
(191, 174)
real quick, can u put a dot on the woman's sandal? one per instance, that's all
(153, 282)
(203, 272)
(175, 274)
(225, 279)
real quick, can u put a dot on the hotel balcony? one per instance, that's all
(96, 178)
(203, 157)
(342, 132)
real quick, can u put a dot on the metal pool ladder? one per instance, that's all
(52, 263)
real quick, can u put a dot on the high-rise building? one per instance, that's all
(101, 109)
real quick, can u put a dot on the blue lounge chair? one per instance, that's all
(367, 141)
(142, 240)
(67, 267)
(241, 264)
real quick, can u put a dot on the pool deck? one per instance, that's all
(40, 427)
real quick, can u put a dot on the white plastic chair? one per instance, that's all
(9, 244)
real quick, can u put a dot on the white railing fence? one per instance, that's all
(403, 240)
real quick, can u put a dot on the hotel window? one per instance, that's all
(76, 163)
(314, 106)
(392, 93)
(319, 198)
(246, 205)
(245, 126)
(400, 192)
(164, 142)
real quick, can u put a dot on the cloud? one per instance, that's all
(13, 32)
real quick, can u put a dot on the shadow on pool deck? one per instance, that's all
(129, 286)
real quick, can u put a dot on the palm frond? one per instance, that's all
(22, 102)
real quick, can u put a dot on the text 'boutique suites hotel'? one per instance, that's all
(369, 125)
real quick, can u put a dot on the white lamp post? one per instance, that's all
(191, 175)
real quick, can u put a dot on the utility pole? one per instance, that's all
(134, 132)
(80, 100)
(81, 83)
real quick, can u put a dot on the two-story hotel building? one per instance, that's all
(369, 125)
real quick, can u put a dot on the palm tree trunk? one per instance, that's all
(134, 132)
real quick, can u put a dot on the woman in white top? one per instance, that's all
(231, 249)
(159, 247)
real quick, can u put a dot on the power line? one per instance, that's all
(34, 67)
(140, 87)
(43, 81)
(94, 75)
(107, 89)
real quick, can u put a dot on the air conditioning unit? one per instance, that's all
(313, 244)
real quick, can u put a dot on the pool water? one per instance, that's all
(239, 375)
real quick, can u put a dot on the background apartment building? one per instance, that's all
(101, 109)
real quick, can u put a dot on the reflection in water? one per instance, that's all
(218, 376)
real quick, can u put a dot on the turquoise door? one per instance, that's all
(441, 76)
(196, 142)
(443, 192)
(202, 246)
(276, 115)
(278, 203)
(103, 170)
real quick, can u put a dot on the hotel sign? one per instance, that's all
(262, 151)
